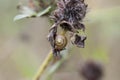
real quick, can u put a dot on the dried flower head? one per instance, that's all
(68, 15)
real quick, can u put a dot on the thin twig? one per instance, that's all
(43, 66)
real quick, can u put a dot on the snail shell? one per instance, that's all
(60, 42)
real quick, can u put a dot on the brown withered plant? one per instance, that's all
(68, 15)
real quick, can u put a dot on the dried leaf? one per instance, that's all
(78, 40)
(25, 12)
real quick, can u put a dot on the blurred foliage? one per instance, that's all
(42, 8)
(28, 13)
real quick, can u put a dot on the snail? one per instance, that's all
(60, 42)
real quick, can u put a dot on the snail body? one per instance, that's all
(60, 42)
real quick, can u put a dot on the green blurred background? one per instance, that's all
(23, 44)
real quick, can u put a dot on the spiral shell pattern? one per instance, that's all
(60, 42)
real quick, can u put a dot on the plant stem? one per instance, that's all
(46, 62)
(43, 66)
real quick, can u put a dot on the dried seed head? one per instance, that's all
(68, 15)
(71, 11)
